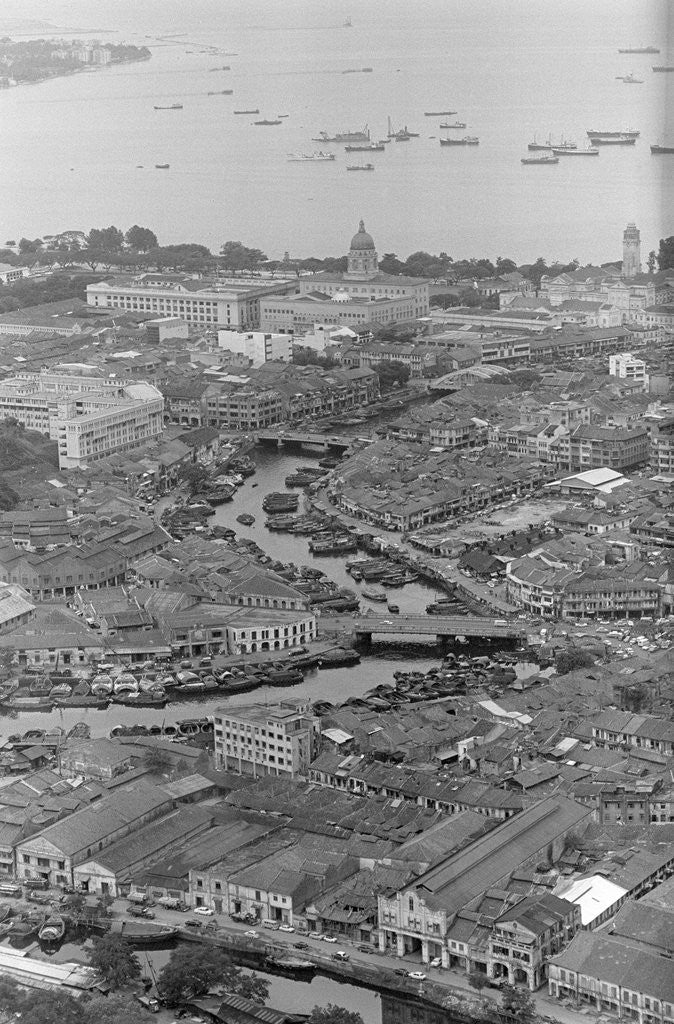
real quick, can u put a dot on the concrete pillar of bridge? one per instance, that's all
(363, 641)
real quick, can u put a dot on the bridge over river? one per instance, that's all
(437, 628)
(300, 437)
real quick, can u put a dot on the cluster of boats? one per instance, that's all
(549, 152)
(455, 676)
(280, 502)
(49, 926)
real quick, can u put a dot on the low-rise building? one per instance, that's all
(613, 976)
(255, 740)
(627, 367)
(257, 346)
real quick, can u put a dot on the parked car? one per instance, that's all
(365, 949)
(252, 934)
(341, 955)
(286, 928)
(193, 924)
(204, 911)
(329, 938)
(300, 945)
(416, 975)
(436, 962)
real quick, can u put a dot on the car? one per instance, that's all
(416, 975)
(365, 949)
(286, 928)
(193, 924)
(252, 934)
(435, 962)
(134, 911)
(329, 938)
(204, 911)
(35, 883)
(341, 955)
(300, 945)
(401, 971)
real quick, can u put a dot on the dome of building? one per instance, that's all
(341, 296)
(361, 240)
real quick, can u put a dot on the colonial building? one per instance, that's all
(361, 295)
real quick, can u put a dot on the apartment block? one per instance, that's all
(255, 740)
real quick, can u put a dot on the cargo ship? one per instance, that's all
(371, 147)
(589, 151)
(256, 111)
(358, 136)
(612, 140)
(640, 49)
(361, 167)
(548, 158)
(439, 113)
(173, 106)
(266, 121)
(221, 92)
(663, 67)
(303, 158)
(597, 133)
(662, 149)
(535, 145)
(467, 140)
(457, 124)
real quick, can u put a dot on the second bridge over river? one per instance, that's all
(436, 628)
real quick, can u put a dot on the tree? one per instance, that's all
(157, 761)
(536, 272)
(651, 261)
(504, 265)
(235, 256)
(194, 475)
(666, 253)
(114, 1009)
(390, 373)
(190, 973)
(390, 264)
(106, 239)
(572, 659)
(50, 1007)
(29, 248)
(114, 959)
(519, 1003)
(141, 239)
(477, 980)
(332, 1014)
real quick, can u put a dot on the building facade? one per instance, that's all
(255, 740)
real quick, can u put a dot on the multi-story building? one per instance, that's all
(657, 315)
(257, 346)
(419, 917)
(255, 740)
(594, 447)
(615, 729)
(616, 977)
(628, 367)
(662, 446)
(361, 295)
(232, 303)
(90, 417)
(536, 587)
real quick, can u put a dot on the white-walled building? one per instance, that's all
(221, 302)
(628, 367)
(325, 335)
(90, 417)
(258, 740)
(257, 346)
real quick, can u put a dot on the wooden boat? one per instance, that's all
(144, 933)
(53, 928)
(26, 702)
(80, 731)
(246, 519)
(374, 595)
(339, 656)
(82, 701)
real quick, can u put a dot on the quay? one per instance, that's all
(438, 627)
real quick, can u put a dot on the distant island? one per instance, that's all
(36, 60)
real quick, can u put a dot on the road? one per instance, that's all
(452, 980)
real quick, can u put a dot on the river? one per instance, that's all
(335, 685)
(509, 69)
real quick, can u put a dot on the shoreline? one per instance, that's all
(74, 71)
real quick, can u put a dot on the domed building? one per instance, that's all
(359, 296)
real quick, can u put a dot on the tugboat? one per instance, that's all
(630, 79)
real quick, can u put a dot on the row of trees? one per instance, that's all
(138, 248)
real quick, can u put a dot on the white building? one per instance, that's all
(90, 417)
(219, 302)
(9, 273)
(628, 367)
(257, 346)
(325, 335)
(258, 740)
